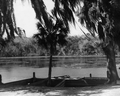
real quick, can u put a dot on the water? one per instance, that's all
(13, 69)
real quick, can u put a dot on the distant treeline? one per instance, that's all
(76, 46)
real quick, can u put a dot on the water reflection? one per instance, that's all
(57, 61)
(18, 73)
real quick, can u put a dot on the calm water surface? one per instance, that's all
(13, 69)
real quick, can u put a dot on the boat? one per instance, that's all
(59, 81)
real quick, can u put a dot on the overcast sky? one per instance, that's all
(25, 17)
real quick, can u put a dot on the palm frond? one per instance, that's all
(64, 10)
(7, 18)
(41, 13)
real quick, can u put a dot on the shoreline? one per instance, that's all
(104, 90)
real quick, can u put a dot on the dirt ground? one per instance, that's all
(106, 90)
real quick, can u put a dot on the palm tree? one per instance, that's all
(54, 28)
(50, 35)
(50, 39)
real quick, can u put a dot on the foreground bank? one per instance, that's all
(106, 90)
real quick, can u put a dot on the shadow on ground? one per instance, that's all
(106, 90)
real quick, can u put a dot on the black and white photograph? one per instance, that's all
(59, 47)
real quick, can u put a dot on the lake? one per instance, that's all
(17, 68)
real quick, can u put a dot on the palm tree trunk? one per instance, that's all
(50, 65)
(112, 74)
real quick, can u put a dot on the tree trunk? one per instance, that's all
(50, 66)
(112, 74)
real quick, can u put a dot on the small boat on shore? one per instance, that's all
(59, 81)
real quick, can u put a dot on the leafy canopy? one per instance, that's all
(101, 17)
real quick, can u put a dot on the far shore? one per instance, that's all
(58, 56)
(37, 56)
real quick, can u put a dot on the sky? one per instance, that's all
(25, 18)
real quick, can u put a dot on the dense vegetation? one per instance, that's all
(76, 46)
